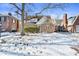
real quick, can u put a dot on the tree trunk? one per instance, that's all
(22, 20)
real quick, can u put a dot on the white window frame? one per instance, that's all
(2, 19)
(13, 21)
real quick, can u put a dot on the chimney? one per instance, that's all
(65, 21)
(9, 14)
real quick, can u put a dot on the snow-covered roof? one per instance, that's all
(44, 19)
(41, 21)
(33, 20)
(2, 15)
(70, 20)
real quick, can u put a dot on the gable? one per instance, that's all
(44, 20)
(73, 20)
(58, 21)
(76, 21)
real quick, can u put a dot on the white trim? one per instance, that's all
(75, 19)
(9, 16)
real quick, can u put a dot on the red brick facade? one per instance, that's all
(65, 21)
(75, 22)
(10, 23)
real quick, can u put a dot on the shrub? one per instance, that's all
(31, 29)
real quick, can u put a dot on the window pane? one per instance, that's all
(4, 18)
(0, 19)
(13, 21)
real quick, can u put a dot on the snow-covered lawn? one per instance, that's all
(39, 44)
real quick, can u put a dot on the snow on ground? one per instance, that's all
(38, 44)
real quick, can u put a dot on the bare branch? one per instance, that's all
(51, 6)
(16, 6)
(43, 9)
(18, 13)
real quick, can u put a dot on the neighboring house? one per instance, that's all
(73, 24)
(30, 23)
(58, 26)
(9, 23)
(34, 20)
(46, 24)
(61, 24)
(31, 20)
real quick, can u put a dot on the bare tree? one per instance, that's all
(22, 19)
(22, 11)
(52, 6)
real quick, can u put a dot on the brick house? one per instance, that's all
(61, 24)
(46, 24)
(9, 23)
(49, 24)
(58, 24)
(73, 24)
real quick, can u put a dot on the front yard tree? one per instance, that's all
(22, 19)
(21, 11)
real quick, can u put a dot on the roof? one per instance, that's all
(41, 21)
(75, 19)
(4, 15)
(31, 17)
(45, 20)
(58, 21)
(1, 15)
(33, 20)
(71, 20)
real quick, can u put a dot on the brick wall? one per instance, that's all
(10, 23)
(65, 22)
(74, 25)
(47, 28)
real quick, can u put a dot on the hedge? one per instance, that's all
(32, 29)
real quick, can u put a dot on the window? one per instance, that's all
(0, 19)
(13, 21)
(5, 19)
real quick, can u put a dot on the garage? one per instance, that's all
(77, 28)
